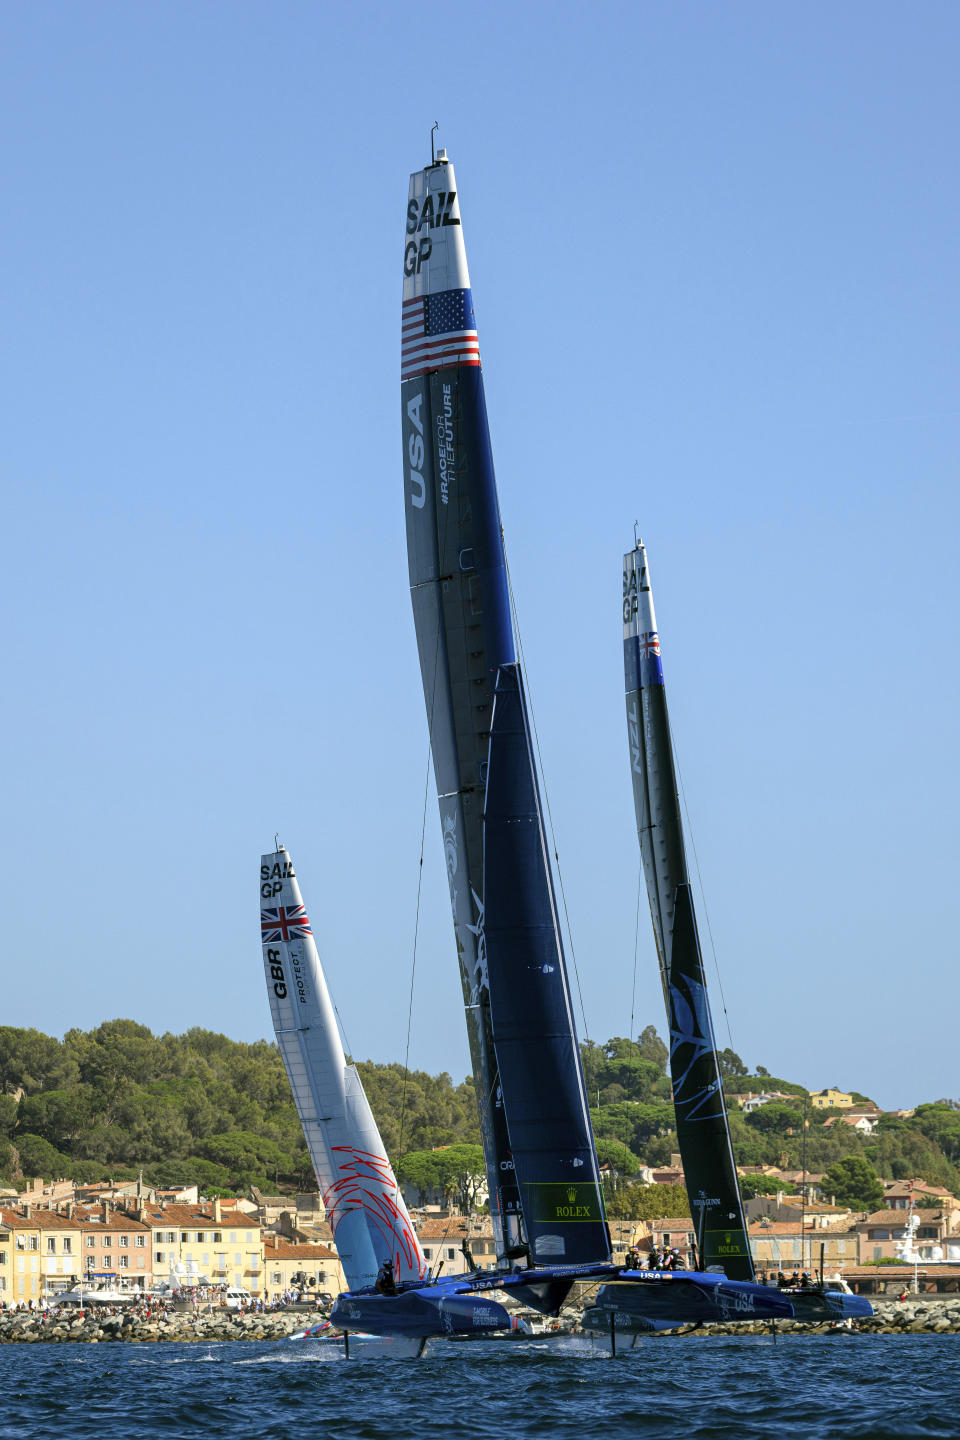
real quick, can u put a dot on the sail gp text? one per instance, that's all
(279, 978)
(434, 212)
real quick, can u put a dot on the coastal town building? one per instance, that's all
(311, 1270)
(863, 1124)
(60, 1238)
(937, 1236)
(198, 1245)
(673, 1234)
(789, 1208)
(830, 1099)
(905, 1194)
(22, 1268)
(784, 1245)
(116, 1247)
(442, 1238)
(751, 1100)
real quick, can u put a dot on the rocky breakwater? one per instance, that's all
(65, 1326)
(916, 1316)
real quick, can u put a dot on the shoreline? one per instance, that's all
(64, 1327)
(908, 1317)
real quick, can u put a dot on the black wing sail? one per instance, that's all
(461, 606)
(703, 1133)
(551, 1141)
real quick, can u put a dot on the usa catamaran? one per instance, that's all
(543, 1179)
(545, 1195)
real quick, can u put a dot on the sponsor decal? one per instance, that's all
(633, 728)
(446, 453)
(722, 1242)
(481, 977)
(418, 489)
(280, 983)
(433, 211)
(273, 876)
(574, 1202)
(450, 844)
(630, 603)
(276, 974)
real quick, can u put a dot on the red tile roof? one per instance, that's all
(276, 1249)
(196, 1217)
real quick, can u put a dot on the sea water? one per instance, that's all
(850, 1386)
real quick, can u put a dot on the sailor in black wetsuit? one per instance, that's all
(386, 1283)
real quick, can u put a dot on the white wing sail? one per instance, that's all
(365, 1209)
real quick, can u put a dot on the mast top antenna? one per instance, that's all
(433, 153)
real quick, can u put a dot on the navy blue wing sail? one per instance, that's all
(703, 1134)
(551, 1142)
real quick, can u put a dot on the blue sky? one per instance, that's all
(714, 258)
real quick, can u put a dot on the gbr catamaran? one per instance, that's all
(371, 1227)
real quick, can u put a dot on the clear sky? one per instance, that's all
(713, 250)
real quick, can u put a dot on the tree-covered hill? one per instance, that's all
(184, 1108)
(201, 1107)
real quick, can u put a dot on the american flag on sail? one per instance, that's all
(287, 922)
(438, 330)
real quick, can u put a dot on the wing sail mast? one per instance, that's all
(461, 606)
(365, 1209)
(703, 1134)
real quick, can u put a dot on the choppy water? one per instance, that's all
(869, 1387)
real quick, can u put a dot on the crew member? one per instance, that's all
(386, 1283)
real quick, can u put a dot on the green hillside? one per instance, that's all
(116, 1100)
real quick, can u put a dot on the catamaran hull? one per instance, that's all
(420, 1313)
(687, 1297)
(830, 1305)
(646, 1300)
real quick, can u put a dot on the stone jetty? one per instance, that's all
(908, 1317)
(186, 1327)
(915, 1316)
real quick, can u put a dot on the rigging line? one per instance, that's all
(423, 837)
(636, 950)
(703, 893)
(543, 781)
(413, 966)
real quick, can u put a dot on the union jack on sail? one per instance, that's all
(286, 922)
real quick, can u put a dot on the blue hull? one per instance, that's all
(691, 1296)
(432, 1311)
